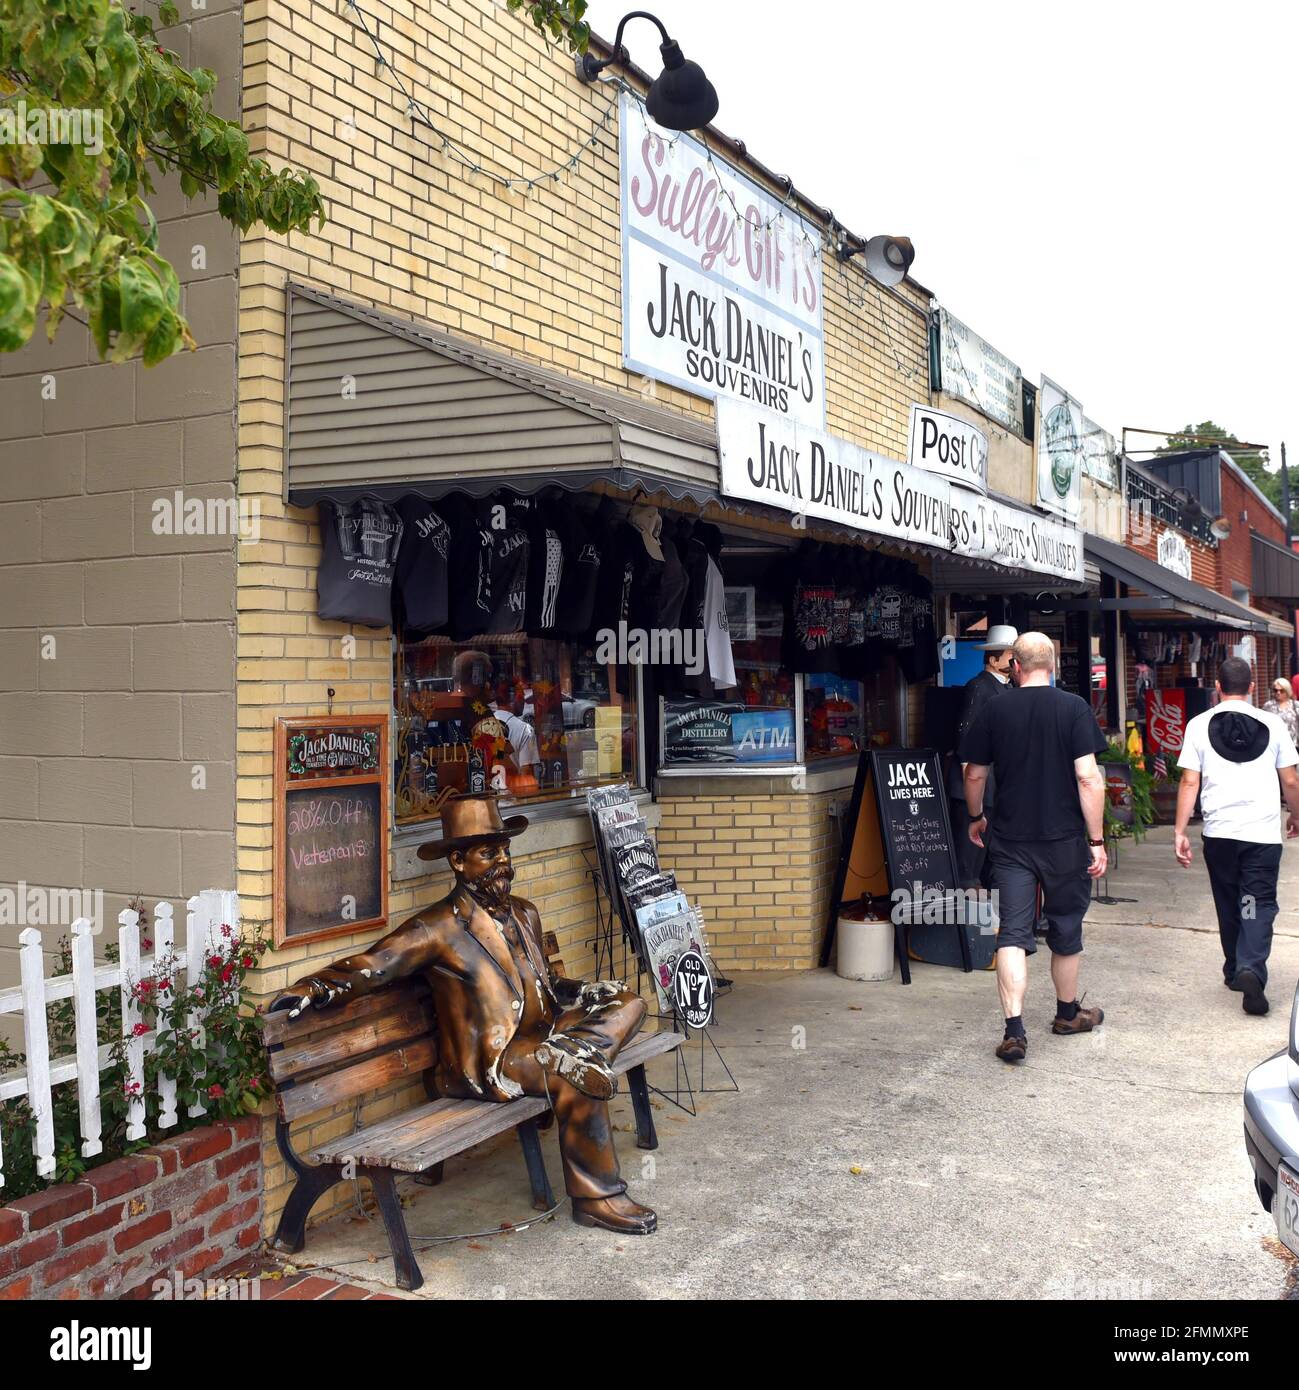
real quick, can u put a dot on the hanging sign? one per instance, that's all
(1060, 451)
(1100, 454)
(974, 371)
(947, 445)
(807, 472)
(1174, 554)
(330, 826)
(721, 282)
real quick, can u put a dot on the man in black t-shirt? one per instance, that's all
(1050, 831)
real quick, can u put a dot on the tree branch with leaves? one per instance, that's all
(76, 228)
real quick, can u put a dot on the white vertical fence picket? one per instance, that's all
(206, 914)
(86, 1002)
(36, 1043)
(163, 931)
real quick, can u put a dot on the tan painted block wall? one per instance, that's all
(103, 735)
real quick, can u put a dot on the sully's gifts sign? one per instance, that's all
(721, 284)
(809, 473)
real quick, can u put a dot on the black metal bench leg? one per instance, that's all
(290, 1234)
(431, 1177)
(646, 1138)
(542, 1197)
(394, 1220)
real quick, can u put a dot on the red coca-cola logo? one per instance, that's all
(1166, 723)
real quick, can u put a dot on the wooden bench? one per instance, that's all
(327, 1057)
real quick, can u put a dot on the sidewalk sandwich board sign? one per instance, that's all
(897, 836)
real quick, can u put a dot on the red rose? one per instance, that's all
(216, 1092)
(139, 1030)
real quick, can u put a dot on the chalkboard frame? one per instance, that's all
(868, 766)
(285, 782)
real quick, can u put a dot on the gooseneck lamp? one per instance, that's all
(680, 98)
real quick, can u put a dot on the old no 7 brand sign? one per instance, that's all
(721, 284)
(946, 444)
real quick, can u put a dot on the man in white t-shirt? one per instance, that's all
(1231, 757)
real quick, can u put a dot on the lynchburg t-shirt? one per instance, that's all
(359, 542)
(1030, 737)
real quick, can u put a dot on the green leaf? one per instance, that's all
(142, 301)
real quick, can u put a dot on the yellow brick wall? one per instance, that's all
(414, 233)
(760, 865)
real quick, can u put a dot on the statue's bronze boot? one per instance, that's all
(617, 1213)
(578, 1062)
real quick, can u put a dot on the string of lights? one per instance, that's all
(472, 165)
(776, 221)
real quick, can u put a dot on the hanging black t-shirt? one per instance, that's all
(359, 544)
(919, 657)
(580, 579)
(422, 588)
(545, 571)
(1030, 738)
(510, 553)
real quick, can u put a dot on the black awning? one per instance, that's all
(1275, 572)
(1168, 590)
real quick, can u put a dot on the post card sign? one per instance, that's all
(721, 283)
(331, 826)
(810, 473)
(949, 446)
(1060, 451)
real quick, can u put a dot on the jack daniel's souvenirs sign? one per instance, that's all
(721, 283)
(809, 473)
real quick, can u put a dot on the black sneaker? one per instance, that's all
(1255, 1001)
(1230, 982)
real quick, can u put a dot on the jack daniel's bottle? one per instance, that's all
(477, 770)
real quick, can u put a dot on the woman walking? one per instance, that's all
(1283, 705)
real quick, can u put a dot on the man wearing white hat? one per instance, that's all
(980, 690)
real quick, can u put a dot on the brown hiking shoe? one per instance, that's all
(1082, 1022)
(1012, 1049)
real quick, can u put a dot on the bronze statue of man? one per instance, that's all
(505, 1027)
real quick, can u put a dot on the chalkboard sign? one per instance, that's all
(912, 806)
(331, 826)
(899, 804)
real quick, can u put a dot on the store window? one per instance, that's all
(752, 723)
(534, 718)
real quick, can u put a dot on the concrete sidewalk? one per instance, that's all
(878, 1149)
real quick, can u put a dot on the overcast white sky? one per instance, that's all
(1105, 191)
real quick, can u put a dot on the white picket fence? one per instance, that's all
(204, 918)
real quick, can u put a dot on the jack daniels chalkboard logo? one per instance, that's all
(333, 752)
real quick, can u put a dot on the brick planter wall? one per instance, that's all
(192, 1204)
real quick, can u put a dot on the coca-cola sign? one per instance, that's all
(1166, 720)
(721, 282)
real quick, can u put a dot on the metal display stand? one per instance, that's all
(604, 944)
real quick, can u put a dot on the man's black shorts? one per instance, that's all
(1060, 866)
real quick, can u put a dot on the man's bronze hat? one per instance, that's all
(471, 819)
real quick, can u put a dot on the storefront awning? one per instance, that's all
(381, 405)
(1271, 625)
(1275, 572)
(1166, 591)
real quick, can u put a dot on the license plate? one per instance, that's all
(1287, 1206)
